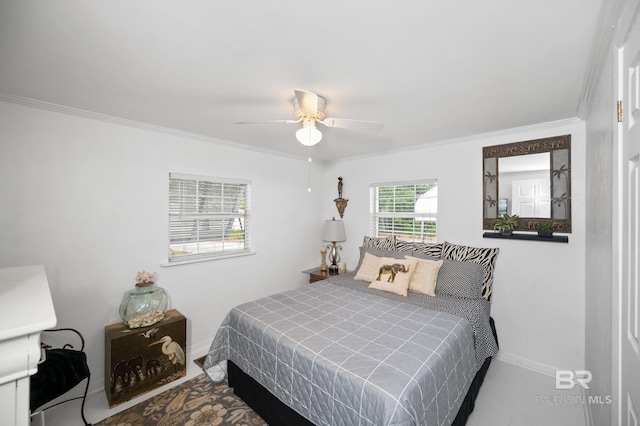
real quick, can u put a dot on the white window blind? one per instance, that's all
(208, 217)
(407, 210)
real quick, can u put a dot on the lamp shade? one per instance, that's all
(333, 231)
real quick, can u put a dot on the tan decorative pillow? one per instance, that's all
(368, 270)
(394, 275)
(426, 275)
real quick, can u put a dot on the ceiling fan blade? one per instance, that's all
(347, 123)
(268, 121)
(307, 102)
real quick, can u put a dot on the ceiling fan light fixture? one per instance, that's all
(309, 135)
(308, 109)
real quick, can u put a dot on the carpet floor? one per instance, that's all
(196, 402)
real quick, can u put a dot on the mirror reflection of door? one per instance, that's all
(525, 183)
(531, 198)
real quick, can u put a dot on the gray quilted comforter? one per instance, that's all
(477, 311)
(341, 356)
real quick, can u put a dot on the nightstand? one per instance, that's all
(315, 274)
(144, 358)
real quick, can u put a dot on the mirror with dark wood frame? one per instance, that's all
(531, 179)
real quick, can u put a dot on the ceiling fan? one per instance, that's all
(308, 109)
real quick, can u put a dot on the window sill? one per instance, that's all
(208, 259)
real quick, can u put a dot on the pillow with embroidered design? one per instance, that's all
(394, 275)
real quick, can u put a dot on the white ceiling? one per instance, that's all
(431, 71)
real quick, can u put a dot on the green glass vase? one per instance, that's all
(143, 306)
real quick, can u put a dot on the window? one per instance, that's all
(208, 217)
(407, 210)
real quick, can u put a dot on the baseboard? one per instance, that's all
(529, 364)
(200, 349)
(547, 370)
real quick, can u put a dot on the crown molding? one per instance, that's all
(540, 127)
(77, 112)
(34, 103)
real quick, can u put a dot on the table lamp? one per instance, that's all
(333, 231)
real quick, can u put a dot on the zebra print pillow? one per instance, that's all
(485, 257)
(404, 246)
(381, 243)
(432, 250)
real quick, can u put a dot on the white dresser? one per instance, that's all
(26, 309)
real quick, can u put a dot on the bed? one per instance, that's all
(342, 352)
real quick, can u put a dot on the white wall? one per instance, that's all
(88, 199)
(599, 238)
(538, 300)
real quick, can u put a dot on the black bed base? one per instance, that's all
(276, 413)
(270, 408)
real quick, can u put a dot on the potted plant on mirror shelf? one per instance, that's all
(505, 224)
(545, 229)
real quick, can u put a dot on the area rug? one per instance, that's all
(196, 402)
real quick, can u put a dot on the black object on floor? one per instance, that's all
(61, 371)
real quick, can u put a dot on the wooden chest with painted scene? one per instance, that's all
(139, 360)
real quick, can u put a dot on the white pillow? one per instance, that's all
(368, 270)
(394, 275)
(425, 276)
